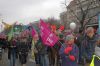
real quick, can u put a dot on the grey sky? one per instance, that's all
(29, 10)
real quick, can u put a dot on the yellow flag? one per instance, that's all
(33, 56)
(92, 63)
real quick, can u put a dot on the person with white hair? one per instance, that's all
(69, 52)
(88, 46)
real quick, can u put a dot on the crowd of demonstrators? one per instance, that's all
(3, 44)
(12, 51)
(70, 50)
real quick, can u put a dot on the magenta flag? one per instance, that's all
(48, 37)
(33, 32)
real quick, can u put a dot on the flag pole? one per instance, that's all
(62, 44)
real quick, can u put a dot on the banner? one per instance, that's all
(33, 32)
(48, 37)
(11, 34)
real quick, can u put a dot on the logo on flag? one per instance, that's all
(48, 37)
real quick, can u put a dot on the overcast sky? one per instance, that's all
(26, 11)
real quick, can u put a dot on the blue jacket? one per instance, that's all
(65, 59)
(88, 47)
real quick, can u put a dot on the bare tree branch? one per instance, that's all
(82, 12)
(74, 14)
(90, 18)
(71, 10)
(87, 10)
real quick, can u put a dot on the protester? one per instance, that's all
(36, 52)
(88, 46)
(69, 52)
(23, 51)
(1, 48)
(97, 53)
(12, 50)
(43, 53)
(79, 40)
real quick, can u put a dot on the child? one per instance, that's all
(69, 52)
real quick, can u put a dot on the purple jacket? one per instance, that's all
(65, 59)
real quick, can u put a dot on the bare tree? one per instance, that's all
(53, 21)
(83, 12)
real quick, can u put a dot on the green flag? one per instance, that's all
(10, 35)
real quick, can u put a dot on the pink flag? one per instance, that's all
(48, 37)
(33, 32)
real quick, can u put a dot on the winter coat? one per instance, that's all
(42, 49)
(88, 48)
(65, 59)
(23, 48)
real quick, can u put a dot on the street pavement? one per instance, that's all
(5, 61)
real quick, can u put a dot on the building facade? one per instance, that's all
(77, 8)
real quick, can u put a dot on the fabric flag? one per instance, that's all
(32, 52)
(33, 43)
(93, 61)
(48, 37)
(33, 32)
(10, 35)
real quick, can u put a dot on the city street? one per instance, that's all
(5, 61)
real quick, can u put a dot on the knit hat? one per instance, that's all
(69, 37)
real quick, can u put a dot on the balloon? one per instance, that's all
(62, 28)
(72, 25)
(53, 27)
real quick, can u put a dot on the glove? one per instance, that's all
(67, 50)
(72, 58)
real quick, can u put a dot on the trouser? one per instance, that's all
(23, 58)
(12, 59)
(88, 62)
(37, 58)
(0, 53)
(44, 60)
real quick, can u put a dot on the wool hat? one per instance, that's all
(69, 37)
